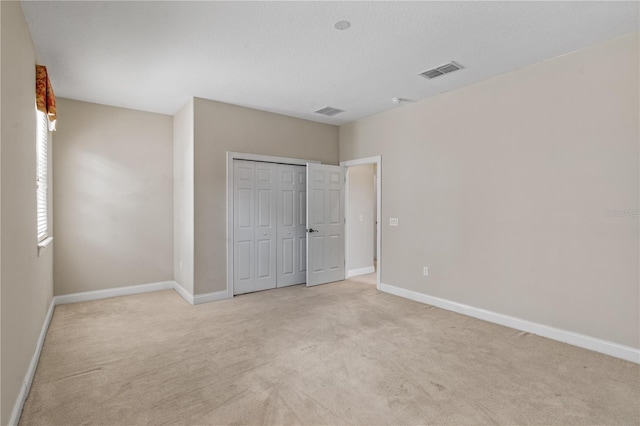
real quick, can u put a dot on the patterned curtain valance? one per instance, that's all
(45, 99)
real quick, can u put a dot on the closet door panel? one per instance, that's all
(288, 208)
(288, 254)
(243, 233)
(265, 226)
(289, 224)
(286, 225)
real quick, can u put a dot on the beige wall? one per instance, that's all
(26, 278)
(183, 214)
(360, 217)
(222, 127)
(502, 188)
(113, 197)
(1, 402)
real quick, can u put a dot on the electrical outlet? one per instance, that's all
(425, 271)
(393, 221)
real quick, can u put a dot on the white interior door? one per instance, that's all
(292, 221)
(325, 224)
(255, 226)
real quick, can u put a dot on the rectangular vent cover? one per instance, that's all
(329, 111)
(441, 70)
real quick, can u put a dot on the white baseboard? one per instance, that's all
(200, 298)
(361, 271)
(210, 297)
(31, 371)
(112, 292)
(183, 292)
(137, 289)
(587, 342)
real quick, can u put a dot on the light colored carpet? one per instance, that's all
(366, 279)
(340, 353)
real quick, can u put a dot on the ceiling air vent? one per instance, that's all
(329, 111)
(441, 70)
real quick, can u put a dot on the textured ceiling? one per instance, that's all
(287, 57)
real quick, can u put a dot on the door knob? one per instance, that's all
(265, 234)
(310, 230)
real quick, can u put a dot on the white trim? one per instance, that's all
(42, 245)
(250, 157)
(268, 158)
(31, 371)
(112, 292)
(188, 297)
(587, 342)
(210, 297)
(377, 160)
(200, 298)
(142, 288)
(361, 161)
(344, 220)
(360, 271)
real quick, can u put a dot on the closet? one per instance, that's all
(269, 230)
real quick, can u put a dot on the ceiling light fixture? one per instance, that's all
(342, 25)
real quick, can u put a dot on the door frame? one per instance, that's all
(249, 157)
(377, 160)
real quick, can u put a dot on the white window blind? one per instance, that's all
(42, 137)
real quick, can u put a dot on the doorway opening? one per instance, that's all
(363, 210)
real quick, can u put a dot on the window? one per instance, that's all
(42, 142)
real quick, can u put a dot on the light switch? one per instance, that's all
(393, 221)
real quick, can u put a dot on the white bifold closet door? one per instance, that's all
(269, 203)
(292, 222)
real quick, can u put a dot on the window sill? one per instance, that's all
(42, 245)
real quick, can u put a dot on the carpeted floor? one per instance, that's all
(339, 353)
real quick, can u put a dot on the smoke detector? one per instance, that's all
(342, 25)
(329, 111)
(399, 101)
(441, 70)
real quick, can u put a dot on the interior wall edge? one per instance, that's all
(183, 292)
(219, 128)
